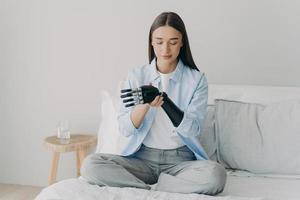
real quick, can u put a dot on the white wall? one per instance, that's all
(56, 55)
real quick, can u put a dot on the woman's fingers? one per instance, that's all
(154, 102)
(158, 101)
(161, 103)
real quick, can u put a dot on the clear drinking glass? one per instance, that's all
(63, 131)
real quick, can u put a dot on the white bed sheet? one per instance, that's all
(273, 187)
(239, 187)
(75, 189)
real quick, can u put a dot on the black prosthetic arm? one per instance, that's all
(173, 112)
(146, 94)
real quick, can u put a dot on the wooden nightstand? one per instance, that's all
(79, 143)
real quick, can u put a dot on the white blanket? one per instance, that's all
(73, 189)
(240, 186)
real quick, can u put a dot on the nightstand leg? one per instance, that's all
(78, 163)
(80, 154)
(53, 171)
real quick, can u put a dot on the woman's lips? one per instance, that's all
(167, 56)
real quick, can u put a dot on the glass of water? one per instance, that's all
(63, 131)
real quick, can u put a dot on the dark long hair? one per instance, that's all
(172, 19)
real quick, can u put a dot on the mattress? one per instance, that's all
(273, 187)
(239, 186)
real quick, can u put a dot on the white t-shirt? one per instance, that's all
(162, 134)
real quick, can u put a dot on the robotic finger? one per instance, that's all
(128, 100)
(132, 97)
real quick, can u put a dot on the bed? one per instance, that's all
(251, 130)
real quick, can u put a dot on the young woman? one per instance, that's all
(159, 151)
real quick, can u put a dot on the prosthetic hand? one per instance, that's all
(146, 94)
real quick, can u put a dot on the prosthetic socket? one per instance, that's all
(146, 94)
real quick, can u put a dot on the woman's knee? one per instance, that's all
(218, 177)
(214, 174)
(90, 165)
(87, 165)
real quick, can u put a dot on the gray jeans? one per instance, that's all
(173, 170)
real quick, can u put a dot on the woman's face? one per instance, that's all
(166, 42)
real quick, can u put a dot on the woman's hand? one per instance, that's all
(158, 101)
(139, 111)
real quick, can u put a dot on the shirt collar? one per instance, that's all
(176, 76)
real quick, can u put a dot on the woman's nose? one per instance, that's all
(165, 48)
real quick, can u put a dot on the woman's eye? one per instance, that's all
(169, 43)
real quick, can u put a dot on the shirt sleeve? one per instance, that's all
(126, 126)
(195, 113)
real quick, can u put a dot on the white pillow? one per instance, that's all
(110, 140)
(208, 136)
(108, 129)
(252, 93)
(259, 138)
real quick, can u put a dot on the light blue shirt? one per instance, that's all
(188, 89)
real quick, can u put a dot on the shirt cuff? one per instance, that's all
(186, 127)
(130, 129)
